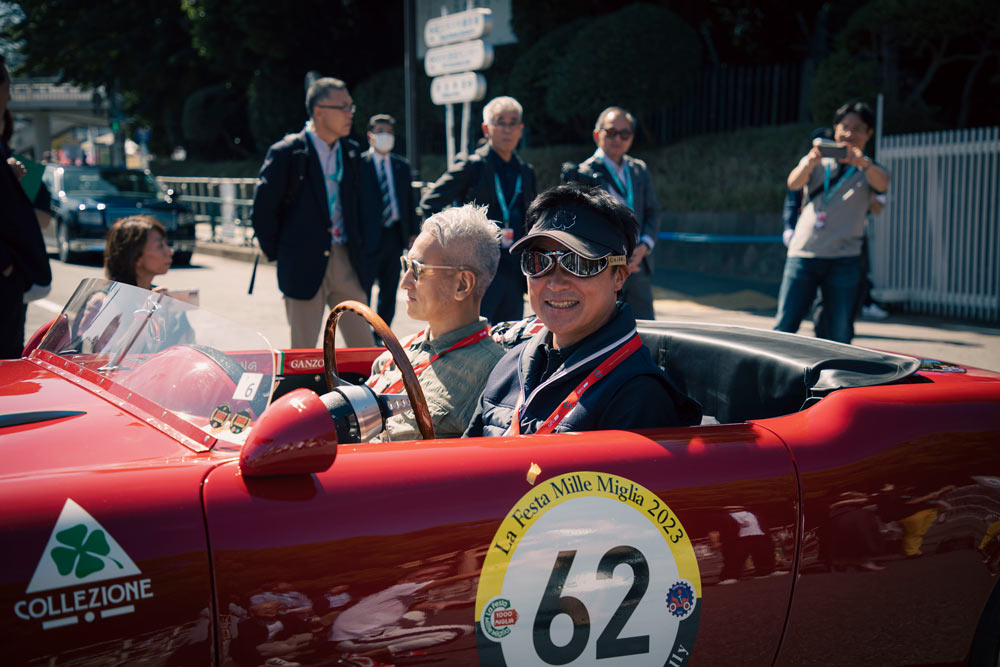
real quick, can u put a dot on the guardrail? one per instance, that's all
(224, 203)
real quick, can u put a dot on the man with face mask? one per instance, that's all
(388, 209)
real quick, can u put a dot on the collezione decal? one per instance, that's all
(588, 568)
(79, 554)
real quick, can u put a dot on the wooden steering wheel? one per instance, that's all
(413, 390)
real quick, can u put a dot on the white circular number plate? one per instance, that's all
(588, 568)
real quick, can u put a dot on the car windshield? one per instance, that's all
(118, 182)
(160, 354)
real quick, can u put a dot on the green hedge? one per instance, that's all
(737, 171)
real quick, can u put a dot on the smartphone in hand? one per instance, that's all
(832, 149)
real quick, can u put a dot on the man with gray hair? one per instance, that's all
(306, 214)
(628, 181)
(494, 176)
(445, 275)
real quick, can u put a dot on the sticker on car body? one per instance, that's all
(588, 568)
(64, 588)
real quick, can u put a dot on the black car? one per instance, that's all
(86, 201)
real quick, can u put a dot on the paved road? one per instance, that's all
(223, 280)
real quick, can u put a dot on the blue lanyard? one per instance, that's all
(827, 192)
(625, 189)
(506, 206)
(337, 176)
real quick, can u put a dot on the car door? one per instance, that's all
(611, 548)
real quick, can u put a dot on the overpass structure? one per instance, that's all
(51, 108)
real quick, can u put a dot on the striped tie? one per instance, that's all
(383, 185)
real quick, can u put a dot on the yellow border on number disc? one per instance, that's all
(570, 486)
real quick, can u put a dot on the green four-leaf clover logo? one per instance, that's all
(83, 550)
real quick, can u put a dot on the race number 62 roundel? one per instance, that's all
(588, 568)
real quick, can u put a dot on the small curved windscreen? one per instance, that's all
(213, 373)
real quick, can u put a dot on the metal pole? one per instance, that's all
(466, 112)
(879, 106)
(410, 86)
(449, 132)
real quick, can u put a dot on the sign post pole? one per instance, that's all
(455, 51)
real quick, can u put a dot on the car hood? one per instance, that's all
(51, 423)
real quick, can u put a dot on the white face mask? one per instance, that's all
(383, 142)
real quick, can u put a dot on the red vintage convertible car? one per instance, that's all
(174, 492)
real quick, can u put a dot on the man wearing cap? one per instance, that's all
(587, 368)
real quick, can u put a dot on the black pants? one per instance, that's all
(12, 315)
(387, 273)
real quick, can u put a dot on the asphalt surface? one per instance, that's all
(679, 295)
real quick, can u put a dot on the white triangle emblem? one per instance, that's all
(79, 551)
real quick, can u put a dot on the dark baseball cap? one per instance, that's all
(580, 229)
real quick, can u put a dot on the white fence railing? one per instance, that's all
(937, 246)
(224, 203)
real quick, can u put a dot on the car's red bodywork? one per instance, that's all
(220, 558)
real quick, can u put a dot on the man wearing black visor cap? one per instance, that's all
(587, 368)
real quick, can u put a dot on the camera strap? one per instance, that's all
(827, 192)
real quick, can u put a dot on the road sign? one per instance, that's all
(461, 57)
(459, 27)
(456, 88)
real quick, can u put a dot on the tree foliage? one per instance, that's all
(143, 47)
(936, 62)
(641, 57)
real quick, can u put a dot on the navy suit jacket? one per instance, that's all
(371, 201)
(298, 235)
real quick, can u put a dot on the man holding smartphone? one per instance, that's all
(825, 249)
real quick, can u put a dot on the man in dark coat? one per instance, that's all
(306, 215)
(388, 209)
(23, 260)
(628, 180)
(495, 176)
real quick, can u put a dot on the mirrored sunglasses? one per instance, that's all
(418, 268)
(535, 263)
(611, 132)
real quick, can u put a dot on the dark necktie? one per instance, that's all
(383, 185)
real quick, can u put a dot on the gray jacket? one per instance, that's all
(593, 172)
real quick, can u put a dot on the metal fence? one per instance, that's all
(224, 203)
(937, 246)
(724, 98)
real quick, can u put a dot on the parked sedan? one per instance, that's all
(86, 201)
(175, 492)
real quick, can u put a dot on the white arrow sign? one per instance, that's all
(471, 24)
(457, 88)
(462, 57)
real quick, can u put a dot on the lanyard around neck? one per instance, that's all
(506, 206)
(394, 388)
(595, 376)
(827, 192)
(626, 188)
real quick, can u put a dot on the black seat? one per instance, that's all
(738, 373)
